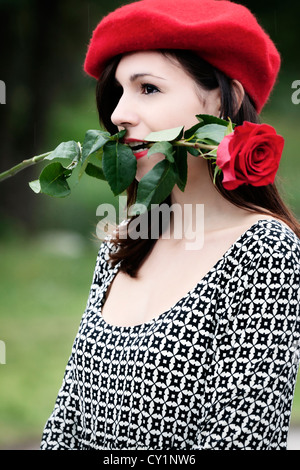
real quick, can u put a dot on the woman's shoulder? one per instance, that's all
(276, 233)
(108, 243)
(103, 268)
(107, 246)
(272, 237)
(269, 249)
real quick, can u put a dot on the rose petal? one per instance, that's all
(250, 155)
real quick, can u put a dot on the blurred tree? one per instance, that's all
(281, 20)
(43, 48)
(28, 31)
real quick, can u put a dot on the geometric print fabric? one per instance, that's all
(216, 371)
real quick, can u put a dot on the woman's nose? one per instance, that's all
(124, 114)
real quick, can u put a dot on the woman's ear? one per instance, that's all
(239, 94)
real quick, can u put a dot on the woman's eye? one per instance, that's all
(148, 89)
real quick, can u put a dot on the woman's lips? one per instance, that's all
(133, 143)
(140, 154)
(130, 140)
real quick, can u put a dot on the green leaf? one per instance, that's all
(190, 132)
(157, 184)
(194, 152)
(119, 135)
(66, 150)
(162, 147)
(211, 132)
(93, 141)
(53, 180)
(119, 166)
(166, 135)
(212, 153)
(230, 127)
(209, 119)
(216, 172)
(95, 171)
(181, 167)
(35, 186)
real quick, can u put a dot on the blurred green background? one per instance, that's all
(48, 246)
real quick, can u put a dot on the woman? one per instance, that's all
(186, 349)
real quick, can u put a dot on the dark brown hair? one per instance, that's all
(262, 199)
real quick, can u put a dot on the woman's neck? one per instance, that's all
(201, 207)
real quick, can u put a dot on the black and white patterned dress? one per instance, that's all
(216, 371)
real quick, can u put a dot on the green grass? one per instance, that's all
(43, 296)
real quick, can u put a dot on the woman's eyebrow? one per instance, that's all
(139, 75)
(135, 76)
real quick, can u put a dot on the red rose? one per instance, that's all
(250, 155)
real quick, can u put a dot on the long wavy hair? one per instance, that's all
(261, 199)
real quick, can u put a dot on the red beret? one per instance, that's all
(223, 33)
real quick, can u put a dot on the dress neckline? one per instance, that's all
(203, 280)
